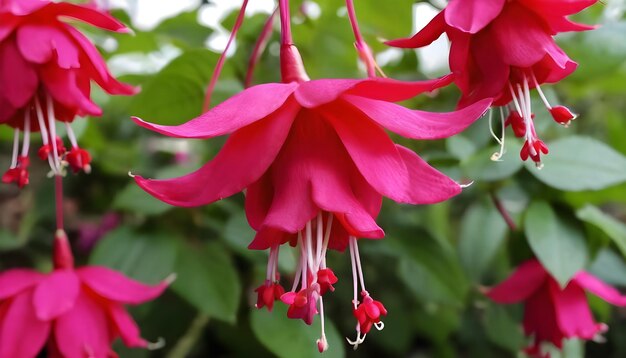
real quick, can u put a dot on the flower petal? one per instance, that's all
(597, 287)
(431, 32)
(311, 94)
(21, 333)
(25, 7)
(7, 25)
(115, 286)
(239, 111)
(419, 124)
(18, 79)
(269, 237)
(426, 184)
(126, 326)
(83, 331)
(56, 294)
(472, 15)
(557, 7)
(246, 155)
(390, 90)
(540, 317)
(15, 281)
(573, 313)
(43, 43)
(91, 16)
(525, 280)
(65, 87)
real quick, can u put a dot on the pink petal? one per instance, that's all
(461, 60)
(64, 87)
(42, 43)
(419, 124)
(518, 47)
(15, 281)
(56, 294)
(246, 155)
(599, 288)
(126, 326)
(563, 24)
(115, 286)
(241, 110)
(93, 62)
(472, 15)
(573, 313)
(315, 93)
(426, 184)
(259, 196)
(525, 280)
(25, 7)
(372, 151)
(84, 331)
(86, 14)
(431, 32)
(18, 79)
(22, 335)
(391, 90)
(540, 317)
(268, 237)
(557, 7)
(7, 25)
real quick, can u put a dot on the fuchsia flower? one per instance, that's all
(552, 313)
(502, 49)
(74, 313)
(46, 70)
(310, 154)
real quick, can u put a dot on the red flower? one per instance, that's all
(501, 49)
(552, 313)
(73, 312)
(268, 293)
(46, 70)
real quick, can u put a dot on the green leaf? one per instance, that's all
(480, 166)
(559, 246)
(207, 279)
(609, 267)
(144, 257)
(133, 199)
(580, 163)
(185, 29)
(288, 338)
(610, 226)
(502, 329)
(482, 233)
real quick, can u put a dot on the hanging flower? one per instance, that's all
(553, 313)
(46, 70)
(314, 158)
(71, 312)
(502, 49)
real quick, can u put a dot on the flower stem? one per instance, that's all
(285, 23)
(58, 194)
(259, 47)
(361, 46)
(503, 212)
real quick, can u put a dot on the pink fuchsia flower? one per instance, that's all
(553, 313)
(46, 70)
(73, 313)
(502, 49)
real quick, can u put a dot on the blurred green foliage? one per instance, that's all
(433, 262)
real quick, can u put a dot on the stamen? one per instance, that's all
(498, 155)
(160, 343)
(379, 325)
(71, 135)
(329, 225)
(541, 94)
(296, 278)
(53, 135)
(26, 139)
(515, 102)
(322, 343)
(359, 340)
(309, 246)
(355, 301)
(357, 257)
(16, 145)
(320, 239)
(271, 264)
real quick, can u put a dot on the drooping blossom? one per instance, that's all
(553, 313)
(311, 153)
(46, 70)
(502, 49)
(72, 313)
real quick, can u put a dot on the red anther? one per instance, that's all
(517, 124)
(326, 278)
(302, 305)
(368, 313)
(539, 148)
(562, 115)
(60, 146)
(268, 293)
(44, 151)
(79, 159)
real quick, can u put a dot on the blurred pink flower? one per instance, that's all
(72, 312)
(46, 70)
(552, 313)
(90, 233)
(502, 49)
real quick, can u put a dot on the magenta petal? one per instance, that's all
(573, 313)
(599, 288)
(557, 7)
(419, 124)
(22, 335)
(63, 86)
(525, 280)
(246, 155)
(25, 7)
(391, 90)
(126, 326)
(311, 94)
(472, 15)
(7, 25)
(426, 184)
(56, 294)
(18, 79)
(15, 281)
(431, 32)
(540, 316)
(235, 113)
(84, 330)
(91, 16)
(115, 286)
(42, 43)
